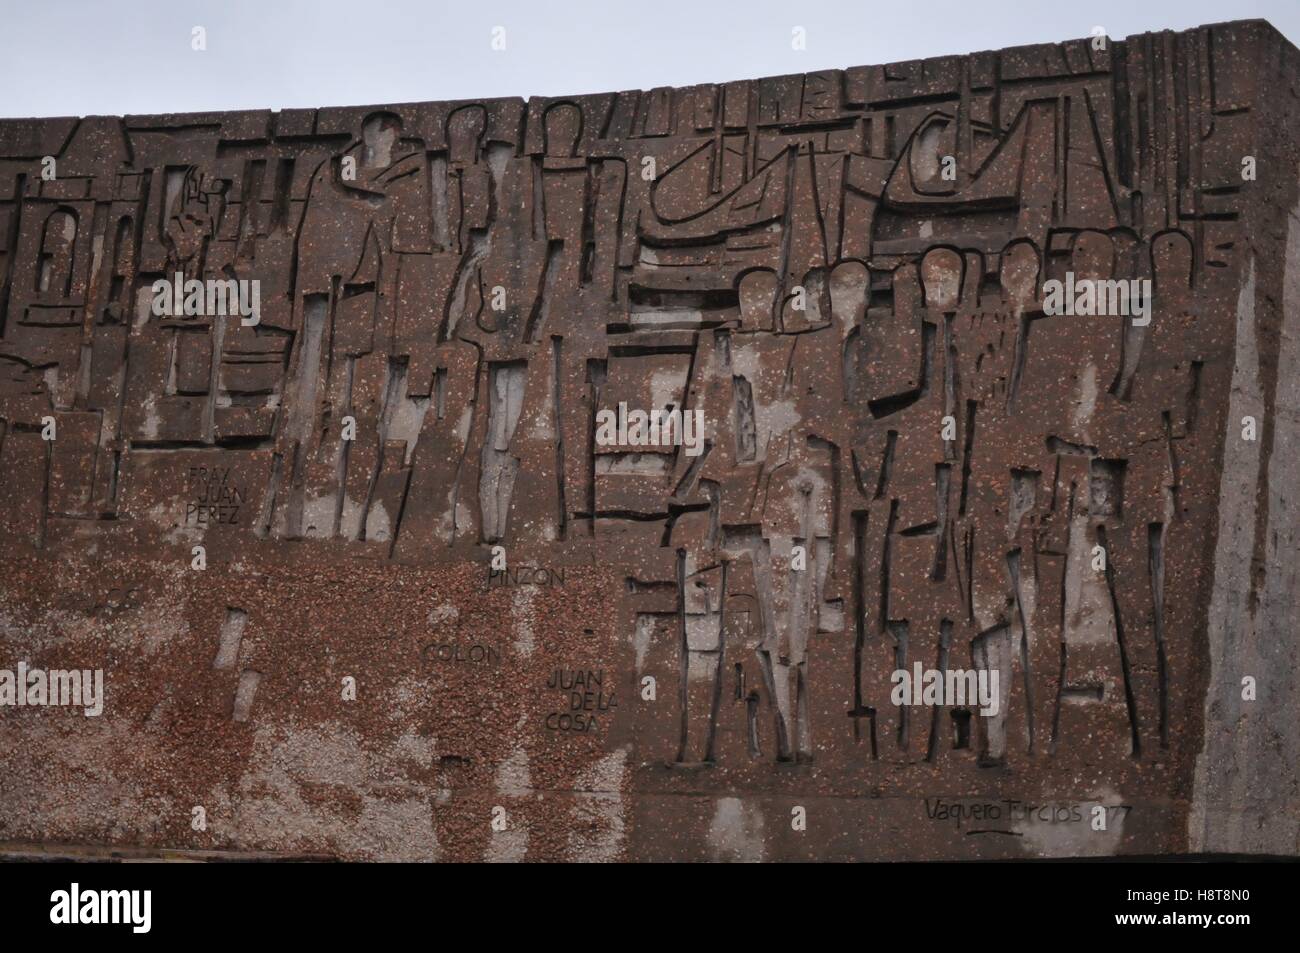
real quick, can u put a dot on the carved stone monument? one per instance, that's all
(889, 463)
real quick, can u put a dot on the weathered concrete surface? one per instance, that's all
(906, 457)
(1247, 797)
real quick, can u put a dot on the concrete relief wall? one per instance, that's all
(590, 478)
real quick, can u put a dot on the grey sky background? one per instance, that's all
(88, 57)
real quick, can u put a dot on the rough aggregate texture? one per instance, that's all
(905, 457)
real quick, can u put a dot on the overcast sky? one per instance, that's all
(84, 57)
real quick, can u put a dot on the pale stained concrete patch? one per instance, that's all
(761, 558)
(464, 423)
(1044, 836)
(649, 318)
(87, 535)
(703, 632)
(774, 420)
(1085, 403)
(645, 629)
(418, 751)
(830, 615)
(152, 421)
(167, 516)
(1214, 822)
(464, 514)
(51, 376)
(509, 846)
(447, 520)
(232, 636)
(1244, 796)
(695, 591)
(701, 667)
(48, 631)
(443, 614)
(599, 823)
(1029, 596)
(666, 387)
(86, 788)
(408, 418)
(153, 625)
(996, 654)
(378, 525)
(404, 829)
(318, 516)
(522, 619)
(513, 781)
(794, 509)
(513, 778)
(349, 520)
(246, 694)
(404, 701)
(458, 512)
(990, 602)
(633, 464)
(746, 362)
(142, 630)
(543, 422)
(273, 814)
(1089, 616)
(736, 832)
(96, 253)
(143, 307)
(783, 689)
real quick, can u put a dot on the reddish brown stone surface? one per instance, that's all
(905, 459)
